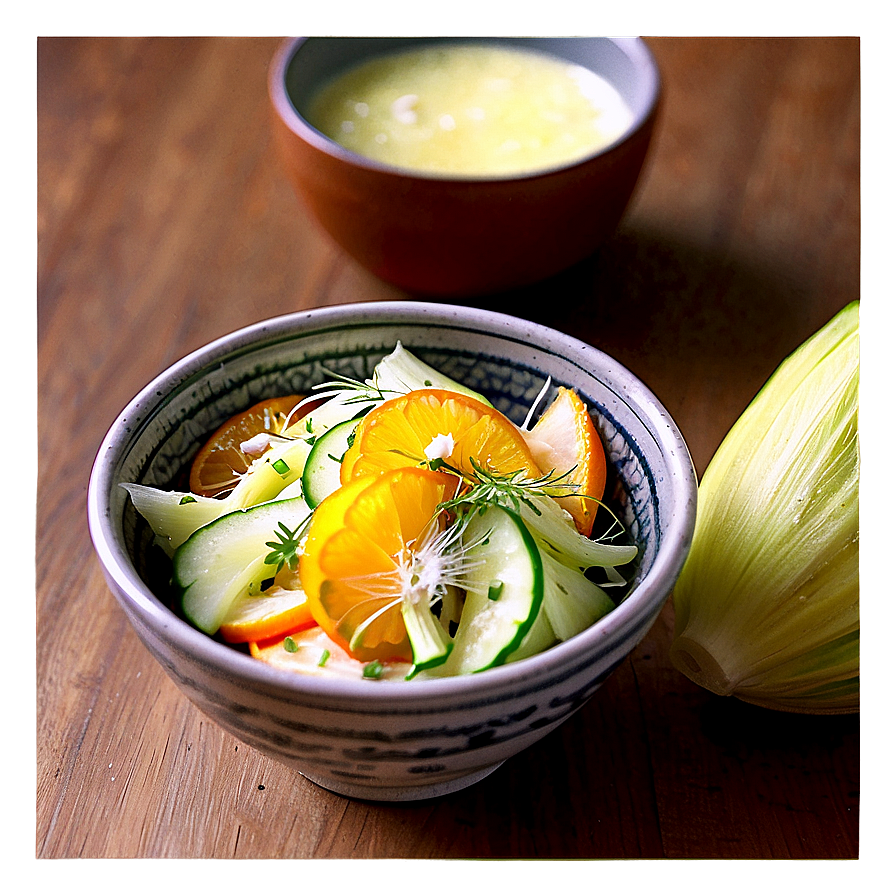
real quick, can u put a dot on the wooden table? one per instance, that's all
(165, 221)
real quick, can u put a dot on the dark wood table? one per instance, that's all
(164, 221)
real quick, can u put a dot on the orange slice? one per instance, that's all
(221, 463)
(265, 616)
(564, 439)
(400, 432)
(358, 553)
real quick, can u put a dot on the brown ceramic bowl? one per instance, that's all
(454, 235)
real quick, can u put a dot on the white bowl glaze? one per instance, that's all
(392, 740)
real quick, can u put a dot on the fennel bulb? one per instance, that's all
(767, 605)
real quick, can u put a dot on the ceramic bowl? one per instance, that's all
(388, 740)
(461, 236)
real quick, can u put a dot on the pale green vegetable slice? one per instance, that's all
(429, 640)
(174, 516)
(227, 558)
(505, 587)
(401, 372)
(556, 534)
(766, 608)
(321, 474)
(572, 602)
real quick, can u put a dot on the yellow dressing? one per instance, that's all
(470, 109)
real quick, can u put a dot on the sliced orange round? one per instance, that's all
(564, 440)
(359, 557)
(221, 462)
(425, 423)
(267, 615)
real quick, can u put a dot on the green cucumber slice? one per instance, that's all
(226, 558)
(505, 588)
(321, 474)
(429, 640)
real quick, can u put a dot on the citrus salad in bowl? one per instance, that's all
(395, 527)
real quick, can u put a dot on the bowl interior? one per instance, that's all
(308, 63)
(506, 359)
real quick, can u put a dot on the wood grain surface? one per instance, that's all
(164, 221)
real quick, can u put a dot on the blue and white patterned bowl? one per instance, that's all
(386, 740)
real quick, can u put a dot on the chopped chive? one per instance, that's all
(496, 586)
(187, 499)
(427, 382)
(323, 657)
(281, 466)
(289, 645)
(373, 669)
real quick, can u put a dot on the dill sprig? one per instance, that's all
(285, 550)
(487, 487)
(365, 390)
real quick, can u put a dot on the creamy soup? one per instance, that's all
(469, 109)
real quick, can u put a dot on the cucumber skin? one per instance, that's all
(316, 465)
(523, 628)
(538, 587)
(194, 559)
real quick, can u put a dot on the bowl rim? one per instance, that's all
(605, 636)
(636, 48)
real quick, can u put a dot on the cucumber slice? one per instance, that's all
(505, 588)
(540, 637)
(226, 558)
(321, 475)
(429, 641)
(401, 372)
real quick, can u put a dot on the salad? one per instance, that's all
(393, 528)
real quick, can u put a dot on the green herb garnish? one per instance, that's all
(281, 466)
(289, 645)
(505, 489)
(374, 669)
(286, 549)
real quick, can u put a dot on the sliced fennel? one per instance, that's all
(401, 372)
(557, 536)
(766, 608)
(175, 516)
(571, 602)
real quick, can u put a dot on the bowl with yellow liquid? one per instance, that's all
(462, 167)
